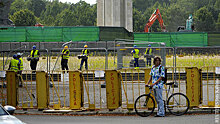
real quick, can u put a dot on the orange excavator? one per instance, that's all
(154, 16)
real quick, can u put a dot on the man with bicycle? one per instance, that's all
(157, 74)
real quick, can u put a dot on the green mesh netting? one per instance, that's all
(48, 34)
(180, 39)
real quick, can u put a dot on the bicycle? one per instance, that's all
(177, 103)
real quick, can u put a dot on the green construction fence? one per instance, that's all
(177, 39)
(80, 33)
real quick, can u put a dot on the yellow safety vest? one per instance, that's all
(136, 54)
(14, 65)
(21, 64)
(150, 51)
(35, 53)
(67, 55)
(85, 52)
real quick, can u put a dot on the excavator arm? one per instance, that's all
(154, 16)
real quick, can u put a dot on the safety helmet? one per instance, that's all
(135, 46)
(85, 46)
(19, 54)
(149, 45)
(34, 47)
(66, 47)
(14, 56)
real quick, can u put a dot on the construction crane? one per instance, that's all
(154, 16)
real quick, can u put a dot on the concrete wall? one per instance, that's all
(117, 13)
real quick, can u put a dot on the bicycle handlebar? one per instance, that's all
(148, 86)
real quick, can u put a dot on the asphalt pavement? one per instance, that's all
(171, 119)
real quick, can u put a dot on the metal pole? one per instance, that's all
(114, 52)
(106, 59)
(47, 59)
(175, 65)
(3, 60)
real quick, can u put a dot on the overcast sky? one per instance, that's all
(75, 1)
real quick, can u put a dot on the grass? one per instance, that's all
(98, 62)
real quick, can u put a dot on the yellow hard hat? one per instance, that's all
(85, 46)
(66, 47)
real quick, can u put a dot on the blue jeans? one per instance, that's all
(136, 62)
(159, 99)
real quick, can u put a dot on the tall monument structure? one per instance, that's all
(4, 10)
(116, 13)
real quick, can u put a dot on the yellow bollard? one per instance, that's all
(42, 91)
(76, 89)
(193, 86)
(113, 89)
(12, 88)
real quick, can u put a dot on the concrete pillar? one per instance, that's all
(116, 13)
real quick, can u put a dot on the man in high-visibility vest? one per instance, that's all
(85, 53)
(35, 58)
(136, 56)
(21, 67)
(148, 54)
(14, 64)
(65, 57)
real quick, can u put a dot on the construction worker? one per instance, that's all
(148, 54)
(21, 68)
(135, 53)
(65, 57)
(14, 64)
(84, 54)
(35, 58)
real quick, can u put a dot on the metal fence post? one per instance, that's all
(113, 89)
(12, 88)
(76, 89)
(42, 89)
(193, 86)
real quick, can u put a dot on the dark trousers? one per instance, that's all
(64, 64)
(20, 80)
(148, 61)
(82, 61)
(33, 64)
(136, 62)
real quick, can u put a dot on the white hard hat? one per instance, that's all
(19, 54)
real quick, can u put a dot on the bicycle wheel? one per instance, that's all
(144, 105)
(178, 104)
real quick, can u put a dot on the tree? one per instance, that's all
(175, 15)
(204, 20)
(17, 5)
(48, 16)
(36, 6)
(66, 18)
(23, 18)
(85, 13)
(138, 21)
(218, 23)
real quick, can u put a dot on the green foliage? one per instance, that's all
(138, 21)
(174, 13)
(16, 6)
(218, 23)
(23, 18)
(66, 17)
(36, 6)
(204, 20)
